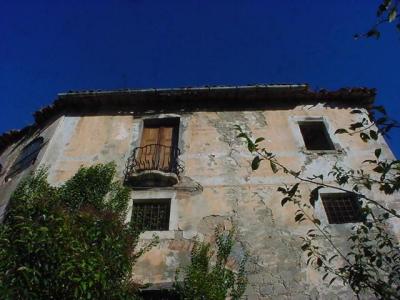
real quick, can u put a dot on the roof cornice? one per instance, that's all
(132, 101)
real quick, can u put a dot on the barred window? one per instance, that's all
(341, 208)
(315, 135)
(26, 158)
(151, 214)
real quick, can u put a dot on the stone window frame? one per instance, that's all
(294, 122)
(148, 195)
(155, 213)
(320, 213)
(139, 126)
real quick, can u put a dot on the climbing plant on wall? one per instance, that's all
(209, 274)
(369, 261)
(68, 242)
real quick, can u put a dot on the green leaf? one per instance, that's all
(378, 169)
(282, 190)
(314, 195)
(332, 280)
(255, 164)
(319, 262)
(379, 263)
(293, 190)
(392, 14)
(273, 166)
(356, 125)
(237, 127)
(373, 134)
(373, 33)
(365, 137)
(284, 200)
(304, 247)
(341, 130)
(298, 217)
(378, 152)
(251, 146)
(260, 139)
(333, 257)
(43, 229)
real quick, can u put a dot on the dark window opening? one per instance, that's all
(158, 295)
(342, 208)
(151, 214)
(315, 135)
(26, 158)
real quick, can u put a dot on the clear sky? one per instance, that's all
(47, 47)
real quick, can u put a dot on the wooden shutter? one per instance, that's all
(148, 155)
(156, 148)
(165, 140)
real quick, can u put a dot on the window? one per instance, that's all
(315, 135)
(151, 214)
(158, 148)
(26, 158)
(341, 208)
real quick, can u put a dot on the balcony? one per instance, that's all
(153, 165)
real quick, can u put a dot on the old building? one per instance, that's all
(177, 149)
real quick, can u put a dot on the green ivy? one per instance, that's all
(68, 242)
(208, 276)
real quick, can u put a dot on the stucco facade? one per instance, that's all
(217, 185)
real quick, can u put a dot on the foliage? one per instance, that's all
(372, 261)
(387, 12)
(69, 241)
(209, 275)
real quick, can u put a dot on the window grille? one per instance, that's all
(341, 208)
(26, 158)
(151, 214)
(315, 136)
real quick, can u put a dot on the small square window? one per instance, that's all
(315, 135)
(151, 214)
(341, 208)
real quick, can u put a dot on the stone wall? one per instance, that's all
(218, 187)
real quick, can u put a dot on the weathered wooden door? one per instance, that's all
(155, 152)
(165, 150)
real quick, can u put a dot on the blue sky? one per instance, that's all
(47, 47)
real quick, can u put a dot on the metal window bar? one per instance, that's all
(154, 157)
(341, 208)
(151, 215)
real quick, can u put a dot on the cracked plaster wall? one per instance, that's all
(218, 187)
(8, 157)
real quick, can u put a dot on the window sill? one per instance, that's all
(322, 152)
(161, 234)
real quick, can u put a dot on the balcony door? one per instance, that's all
(158, 145)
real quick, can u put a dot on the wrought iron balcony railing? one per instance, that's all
(154, 157)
